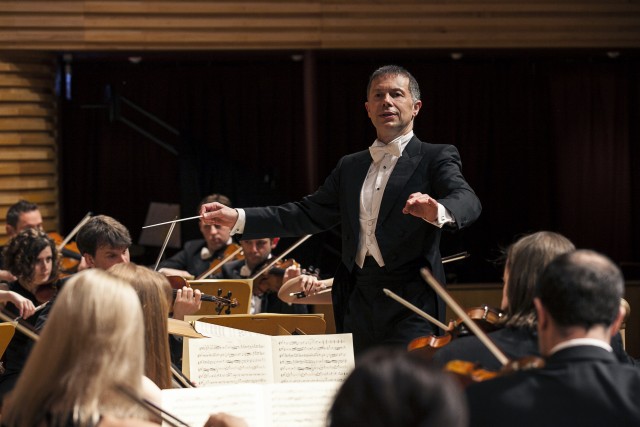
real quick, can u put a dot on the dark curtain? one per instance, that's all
(547, 143)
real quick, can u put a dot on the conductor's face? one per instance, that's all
(391, 107)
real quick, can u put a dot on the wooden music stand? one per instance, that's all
(6, 333)
(271, 323)
(240, 289)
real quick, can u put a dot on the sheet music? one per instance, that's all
(260, 405)
(212, 330)
(306, 358)
(230, 360)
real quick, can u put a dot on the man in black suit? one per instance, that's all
(582, 384)
(197, 255)
(391, 202)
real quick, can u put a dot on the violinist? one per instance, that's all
(20, 216)
(197, 255)
(155, 295)
(525, 261)
(31, 256)
(265, 299)
(92, 345)
(577, 300)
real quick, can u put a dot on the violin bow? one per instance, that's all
(282, 255)
(33, 334)
(455, 257)
(164, 245)
(152, 408)
(415, 309)
(473, 327)
(220, 264)
(75, 230)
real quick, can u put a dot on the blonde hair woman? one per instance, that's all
(91, 344)
(154, 291)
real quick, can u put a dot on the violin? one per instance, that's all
(46, 291)
(227, 302)
(70, 255)
(470, 372)
(487, 318)
(233, 252)
(271, 279)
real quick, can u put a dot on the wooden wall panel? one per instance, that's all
(320, 24)
(28, 156)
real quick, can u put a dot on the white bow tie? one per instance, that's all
(377, 153)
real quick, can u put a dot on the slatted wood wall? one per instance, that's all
(321, 24)
(27, 135)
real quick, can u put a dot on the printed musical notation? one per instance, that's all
(260, 405)
(266, 359)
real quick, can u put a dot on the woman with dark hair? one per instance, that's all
(525, 261)
(392, 388)
(31, 256)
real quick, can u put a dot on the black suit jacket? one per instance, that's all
(189, 259)
(514, 343)
(403, 239)
(579, 386)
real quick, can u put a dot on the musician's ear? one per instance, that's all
(274, 242)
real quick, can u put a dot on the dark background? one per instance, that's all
(549, 140)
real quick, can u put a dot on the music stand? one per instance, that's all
(6, 333)
(271, 323)
(240, 290)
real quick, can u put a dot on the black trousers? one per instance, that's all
(374, 319)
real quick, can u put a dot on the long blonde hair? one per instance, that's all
(92, 342)
(153, 290)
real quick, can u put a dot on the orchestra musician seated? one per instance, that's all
(20, 216)
(577, 300)
(392, 388)
(155, 296)
(92, 346)
(525, 261)
(31, 256)
(197, 255)
(257, 253)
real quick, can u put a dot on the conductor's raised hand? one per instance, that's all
(421, 205)
(218, 214)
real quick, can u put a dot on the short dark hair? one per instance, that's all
(102, 230)
(392, 388)
(525, 262)
(215, 197)
(22, 251)
(396, 70)
(581, 288)
(22, 206)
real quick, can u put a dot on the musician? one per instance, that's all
(577, 300)
(525, 261)
(92, 344)
(197, 255)
(392, 202)
(392, 388)
(155, 296)
(257, 253)
(31, 256)
(20, 216)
